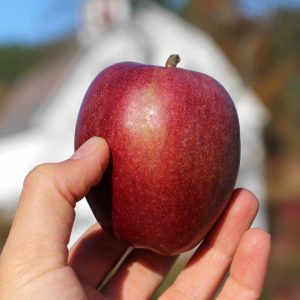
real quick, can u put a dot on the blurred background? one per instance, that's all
(51, 50)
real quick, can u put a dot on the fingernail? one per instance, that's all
(86, 149)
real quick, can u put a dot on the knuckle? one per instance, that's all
(50, 177)
(40, 173)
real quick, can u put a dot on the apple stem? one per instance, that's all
(173, 61)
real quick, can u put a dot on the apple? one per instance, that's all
(175, 152)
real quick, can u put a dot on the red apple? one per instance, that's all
(175, 151)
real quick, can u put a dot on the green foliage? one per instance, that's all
(16, 60)
(5, 224)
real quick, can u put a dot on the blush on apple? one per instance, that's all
(175, 151)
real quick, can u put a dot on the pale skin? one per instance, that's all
(36, 263)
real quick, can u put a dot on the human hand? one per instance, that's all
(36, 264)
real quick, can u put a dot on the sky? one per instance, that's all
(260, 7)
(37, 21)
(33, 22)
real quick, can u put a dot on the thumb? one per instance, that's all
(45, 214)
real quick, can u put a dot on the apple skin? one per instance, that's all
(175, 151)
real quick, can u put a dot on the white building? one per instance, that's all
(111, 33)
